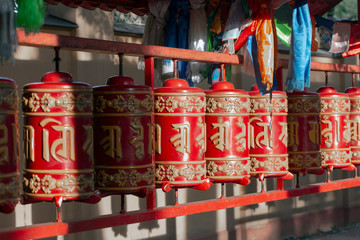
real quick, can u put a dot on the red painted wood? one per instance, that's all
(149, 72)
(78, 225)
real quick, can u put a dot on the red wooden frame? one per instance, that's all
(42, 230)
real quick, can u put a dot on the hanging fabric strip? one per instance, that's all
(283, 18)
(8, 40)
(300, 50)
(197, 39)
(354, 46)
(340, 37)
(265, 48)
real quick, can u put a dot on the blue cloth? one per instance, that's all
(300, 58)
(177, 30)
(253, 52)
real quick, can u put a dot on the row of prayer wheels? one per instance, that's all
(122, 138)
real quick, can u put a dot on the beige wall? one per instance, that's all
(31, 63)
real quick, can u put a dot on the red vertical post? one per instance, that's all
(279, 77)
(149, 81)
(149, 72)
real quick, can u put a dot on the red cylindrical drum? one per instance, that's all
(123, 154)
(354, 121)
(180, 136)
(268, 134)
(9, 146)
(58, 139)
(335, 128)
(304, 133)
(227, 118)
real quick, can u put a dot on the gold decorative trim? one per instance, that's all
(126, 188)
(335, 97)
(68, 102)
(181, 182)
(179, 162)
(227, 95)
(55, 171)
(229, 177)
(183, 94)
(180, 114)
(171, 103)
(228, 168)
(69, 183)
(277, 104)
(267, 96)
(227, 114)
(269, 155)
(228, 104)
(339, 157)
(122, 177)
(334, 113)
(122, 114)
(303, 114)
(123, 167)
(227, 159)
(64, 195)
(304, 105)
(70, 89)
(57, 114)
(334, 150)
(335, 105)
(124, 103)
(171, 172)
(95, 93)
(304, 160)
(268, 114)
(9, 175)
(270, 164)
(304, 152)
(269, 172)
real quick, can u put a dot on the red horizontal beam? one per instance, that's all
(48, 40)
(86, 224)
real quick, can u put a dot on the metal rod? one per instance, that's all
(328, 175)
(326, 79)
(176, 197)
(58, 214)
(353, 80)
(176, 71)
(222, 73)
(57, 59)
(356, 172)
(297, 180)
(123, 210)
(222, 191)
(121, 64)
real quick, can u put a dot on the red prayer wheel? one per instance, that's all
(227, 118)
(304, 133)
(268, 134)
(180, 133)
(9, 146)
(335, 129)
(123, 149)
(58, 139)
(354, 121)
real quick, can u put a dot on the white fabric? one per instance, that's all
(197, 39)
(340, 37)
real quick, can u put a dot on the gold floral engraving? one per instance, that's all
(336, 156)
(355, 104)
(227, 104)
(304, 105)
(277, 105)
(137, 142)
(66, 101)
(304, 160)
(121, 103)
(172, 103)
(124, 177)
(170, 172)
(69, 183)
(228, 168)
(271, 164)
(336, 105)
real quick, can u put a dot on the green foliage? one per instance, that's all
(31, 14)
(345, 10)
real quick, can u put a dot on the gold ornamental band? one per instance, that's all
(335, 98)
(96, 93)
(227, 159)
(305, 97)
(58, 171)
(228, 95)
(179, 94)
(334, 113)
(180, 182)
(268, 96)
(267, 172)
(87, 194)
(269, 155)
(334, 150)
(268, 114)
(56, 114)
(305, 152)
(123, 114)
(351, 113)
(342, 164)
(9, 175)
(49, 90)
(179, 162)
(180, 114)
(123, 167)
(314, 168)
(228, 114)
(356, 147)
(229, 177)
(126, 188)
